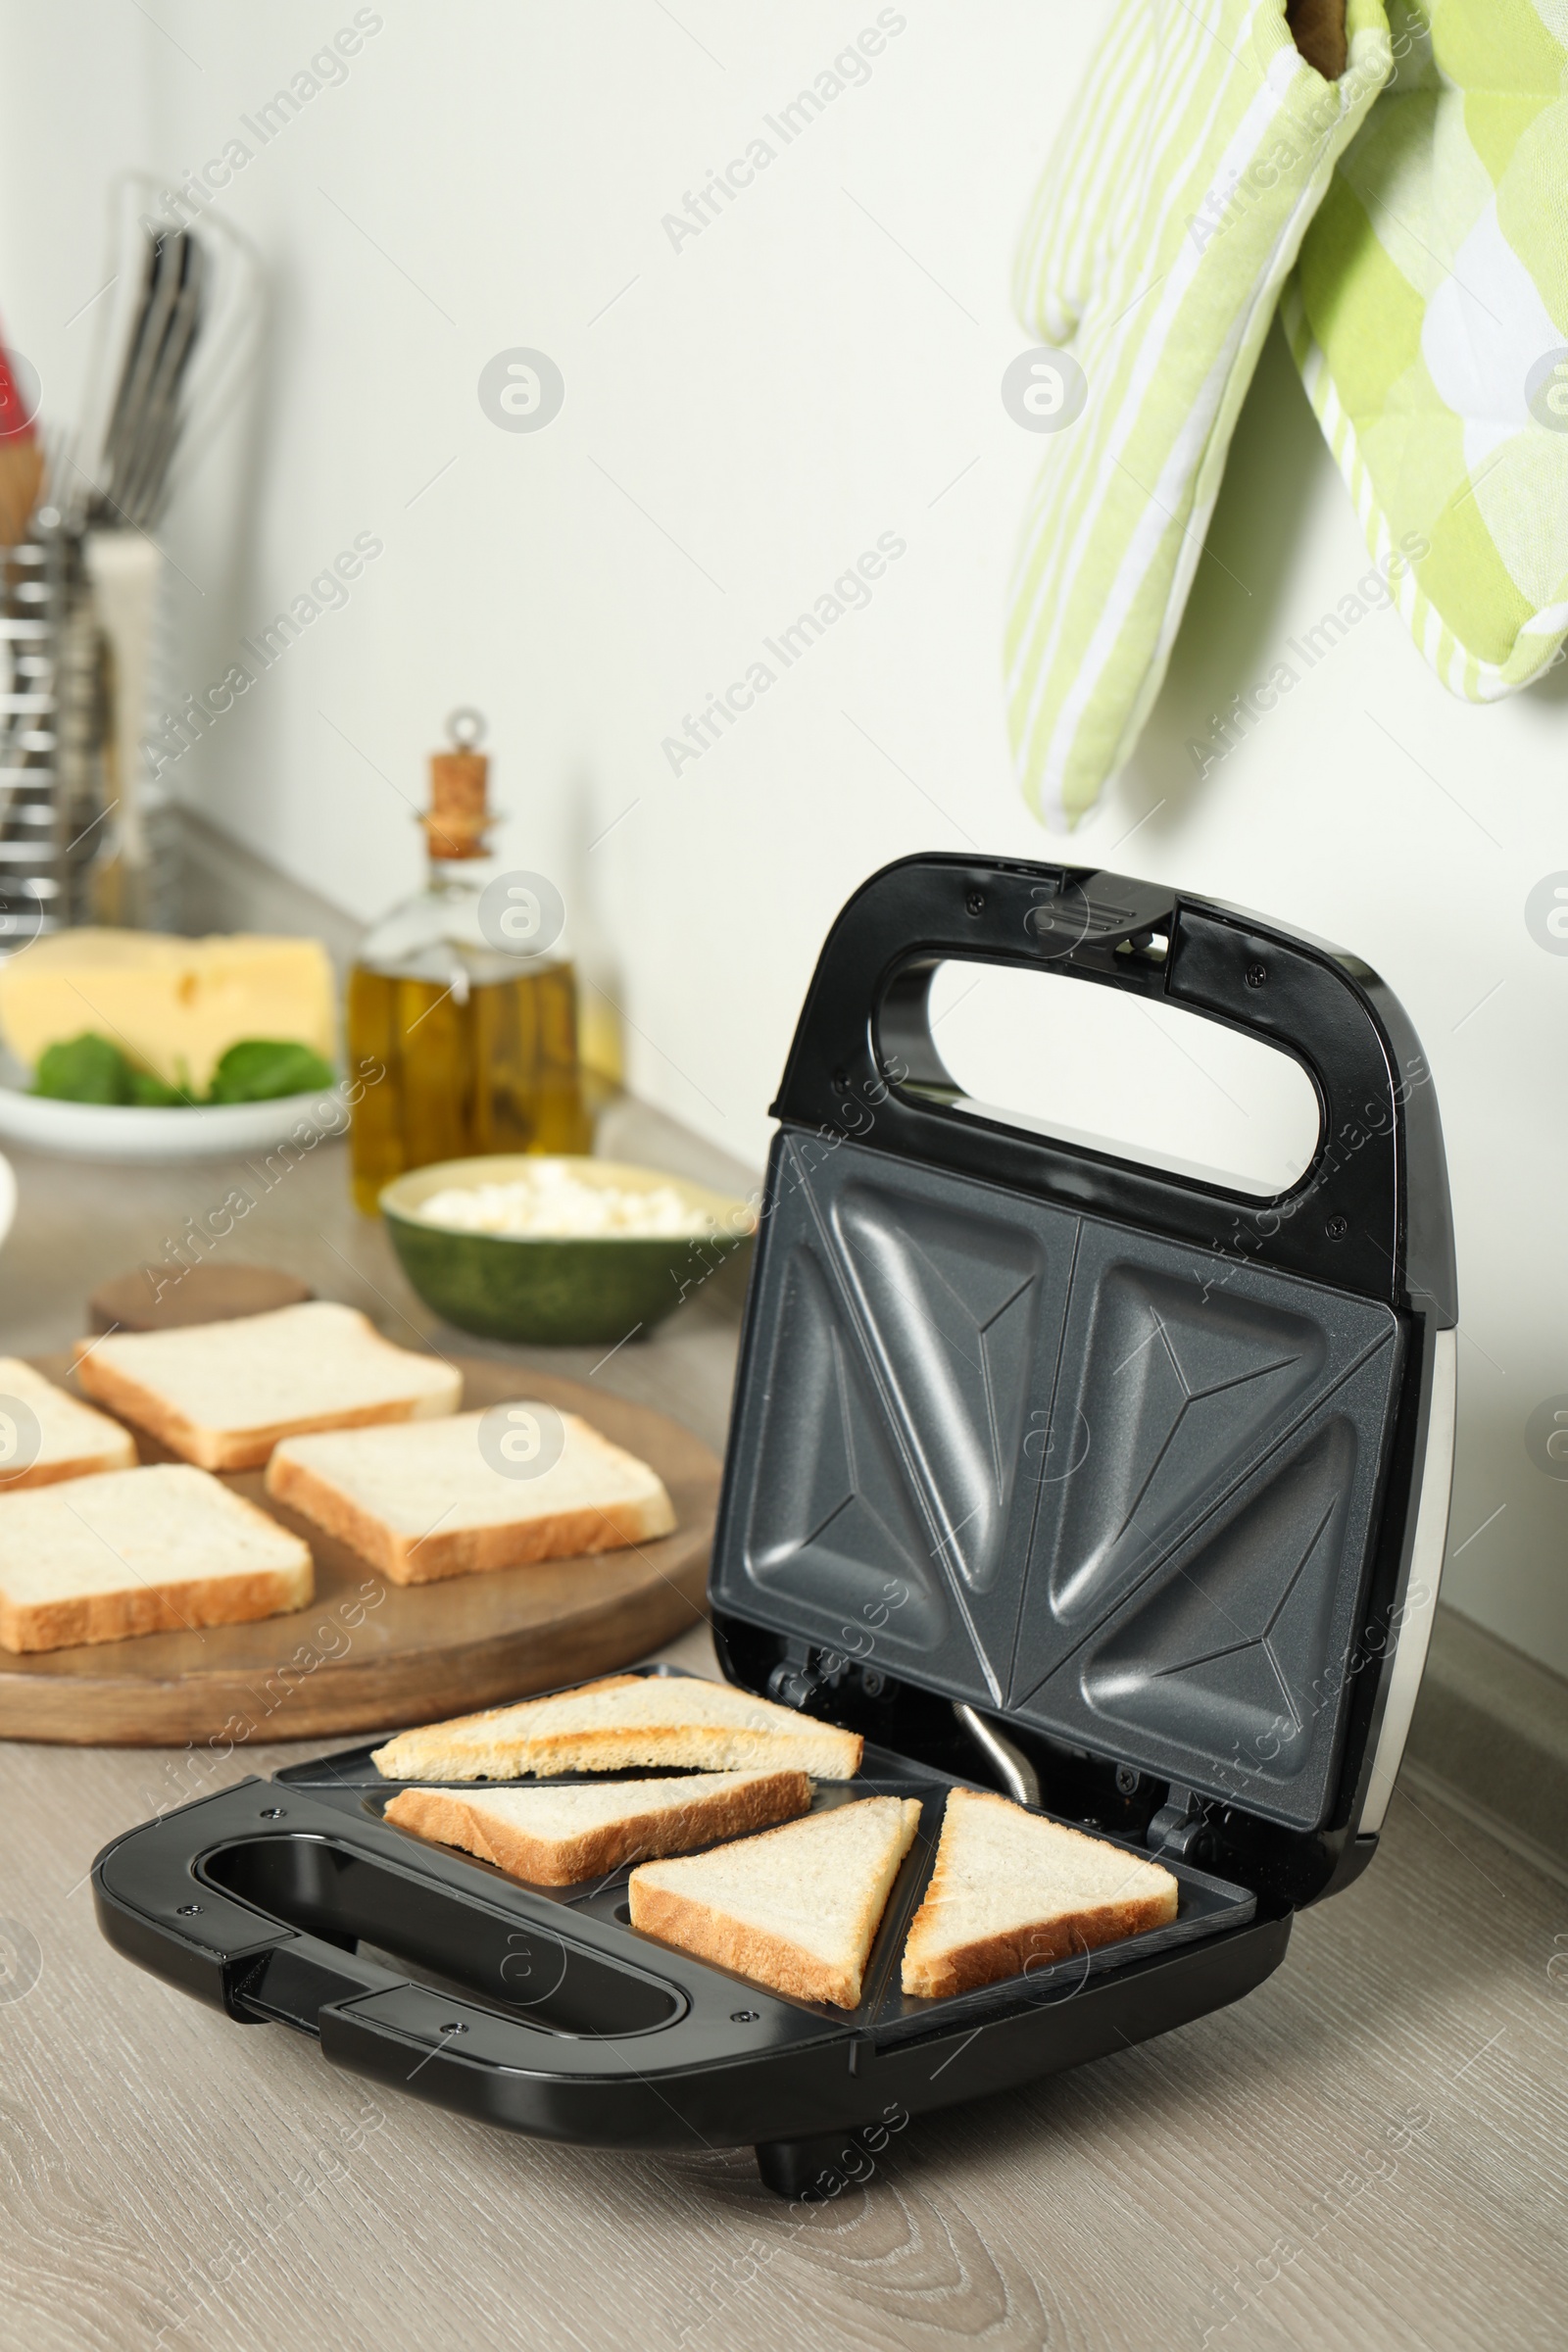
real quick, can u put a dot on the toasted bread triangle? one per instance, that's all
(1011, 1893)
(560, 1837)
(681, 1721)
(796, 1908)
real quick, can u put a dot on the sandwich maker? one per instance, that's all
(1111, 1487)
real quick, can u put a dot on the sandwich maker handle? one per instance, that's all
(1370, 1213)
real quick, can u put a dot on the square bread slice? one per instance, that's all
(221, 1395)
(140, 1552)
(796, 1908)
(1010, 1892)
(676, 1719)
(54, 1435)
(424, 1502)
(560, 1837)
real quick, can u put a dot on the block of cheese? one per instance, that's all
(174, 1006)
(47, 1434)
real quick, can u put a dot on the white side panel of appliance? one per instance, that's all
(1421, 1593)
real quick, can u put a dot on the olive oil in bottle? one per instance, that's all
(463, 1005)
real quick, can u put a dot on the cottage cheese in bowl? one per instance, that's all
(553, 1202)
(560, 1250)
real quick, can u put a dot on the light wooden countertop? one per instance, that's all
(1369, 2151)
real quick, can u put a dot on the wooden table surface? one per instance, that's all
(1369, 2151)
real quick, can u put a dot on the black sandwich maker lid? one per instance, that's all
(1106, 1485)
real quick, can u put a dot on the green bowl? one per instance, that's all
(556, 1292)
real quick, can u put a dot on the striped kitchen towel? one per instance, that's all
(1150, 267)
(1429, 318)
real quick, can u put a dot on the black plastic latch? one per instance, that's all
(796, 1681)
(1179, 1825)
(1088, 919)
(807, 1676)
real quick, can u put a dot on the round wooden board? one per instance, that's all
(372, 1655)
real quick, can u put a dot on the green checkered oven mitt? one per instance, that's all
(1429, 318)
(1151, 268)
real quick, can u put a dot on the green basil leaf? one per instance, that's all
(155, 1094)
(84, 1069)
(259, 1069)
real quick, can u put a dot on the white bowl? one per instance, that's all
(131, 1131)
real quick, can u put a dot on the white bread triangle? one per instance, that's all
(560, 1837)
(1010, 1892)
(223, 1395)
(423, 1502)
(140, 1552)
(73, 1440)
(796, 1908)
(677, 1720)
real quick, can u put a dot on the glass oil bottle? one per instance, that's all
(461, 1013)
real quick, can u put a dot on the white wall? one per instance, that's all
(820, 367)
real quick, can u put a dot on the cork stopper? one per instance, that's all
(460, 813)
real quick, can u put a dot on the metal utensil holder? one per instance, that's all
(54, 694)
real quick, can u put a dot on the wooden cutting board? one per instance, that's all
(370, 1656)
